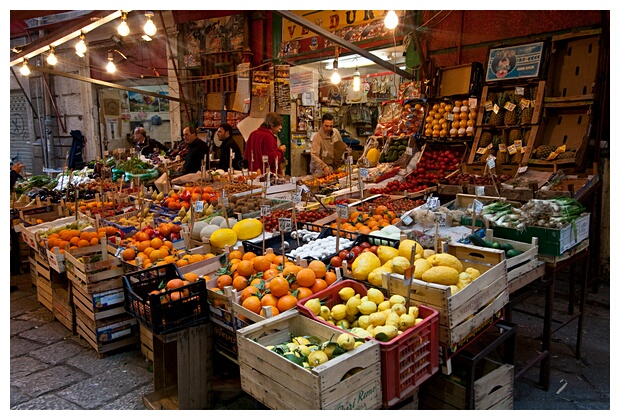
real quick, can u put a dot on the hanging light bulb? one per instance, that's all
(123, 28)
(51, 58)
(111, 68)
(80, 47)
(149, 26)
(25, 70)
(335, 79)
(356, 80)
(391, 20)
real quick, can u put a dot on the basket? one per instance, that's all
(159, 313)
(407, 360)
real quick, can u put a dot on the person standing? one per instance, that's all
(146, 145)
(196, 151)
(264, 142)
(16, 171)
(327, 148)
(229, 146)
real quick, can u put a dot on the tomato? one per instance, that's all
(364, 245)
(356, 250)
(373, 249)
(344, 254)
(336, 261)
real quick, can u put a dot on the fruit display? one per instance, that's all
(400, 120)
(76, 238)
(396, 148)
(475, 179)
(327, 179)
(308, 216)
(435, 165)
(451, 120)
(365, 223)
(184, 197)
(509, 108)
(410, 185)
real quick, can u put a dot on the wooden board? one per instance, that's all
(93, 331)
(100, 305)
(146, 342)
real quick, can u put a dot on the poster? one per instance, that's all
(516, 62)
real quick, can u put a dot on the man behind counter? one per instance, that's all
(147, 145)
(327, 148)
(228, 146)
(196, 151)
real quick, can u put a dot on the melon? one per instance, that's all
(373, 156)
(198, 226)
(222, 237)
(231, 222)
(248, 228)
(207, 231)
(217, 220)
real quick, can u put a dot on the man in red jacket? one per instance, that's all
(264, 142)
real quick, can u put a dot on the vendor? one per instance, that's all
(327, 148)
(196, 151)
(228, 147)
(264, 142)
(146, 145)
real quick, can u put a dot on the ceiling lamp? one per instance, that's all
(25, 70)
(80, 47)
(356, 80)
(123, 28)
(111, 68)
(51, 58)
(335, 79)
(149, 27)
(391, 20)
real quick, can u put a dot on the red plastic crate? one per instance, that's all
(406, 361)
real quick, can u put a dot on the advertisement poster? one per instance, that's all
(514, 62)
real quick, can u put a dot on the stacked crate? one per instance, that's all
(100, 316)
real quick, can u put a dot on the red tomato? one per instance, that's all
(336, 261)
(364, 245)
(344, 254)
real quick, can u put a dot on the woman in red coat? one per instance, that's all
(264, 142)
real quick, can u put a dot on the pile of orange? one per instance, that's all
(272, 280)
(364, 223)
(74, 239)
(173, 284)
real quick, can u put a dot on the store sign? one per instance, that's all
(516, 62)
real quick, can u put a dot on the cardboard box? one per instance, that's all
(550, 241)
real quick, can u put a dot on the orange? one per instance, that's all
(381, 209)
(224, 280)
(154, 256)
(148, 251)
(142, 245)
(252, 304)
(94, 241)
(274, 311)
(319, 285)
(256, 282)
(245, 268)
(156, 243)
(279, 260)
(240, 283)
(82, 243)
(191, 277)
(268, 274)
(278, 286)
(270, 256)
(306, 277)
(248, 256)
(291, 268)
(74, 241)
(169, 259)
(168, 245)
(269, 300)
(129, 254)
(181, 263)
(318, 267)
(174, 283)
(236, 254)
(287, 302)
(365, 230)
(330, 278)
(303, 292)
(85, 236)
(247, 292)
(261, 263)
(163, 251)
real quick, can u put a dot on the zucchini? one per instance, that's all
(513, 253)
(496, 245)
(477, 240)
(506, 247)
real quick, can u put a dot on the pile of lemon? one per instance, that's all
(368, 316)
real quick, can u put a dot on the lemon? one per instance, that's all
(364, 264)
(305, 350)
(386, 253)
(352, 305)
(371, 330)
(389, 330)
(346, 293)
(364, 299)
(331, 321)
(474, 273)
(421, 265)
(400, 264)
(375, 295)
(393, 319)
(418, 320)
(339, 312)
(406, 321)
(346, 341)
(314, 305)
(427, 253)
(302, 341)
(325, 313)
(292, 346)
(399, 309)
(357, 344)
(351, 318)
(377, 318)
(454, 289)
(344, 324)
(397, 299)
(317, 358)
(360, 332)
(384, 305)
(414, 311)
(406, 247)
(363, 321)
(355, 324)
(367, 308)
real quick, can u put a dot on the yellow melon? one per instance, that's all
(222, 237)
(248, 229)
(373, 156)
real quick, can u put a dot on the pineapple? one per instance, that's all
(514, 134)
(498, 119)
(512, 117)
(543, 152)
(485, 139)
(567, 155)
(517, 157)
(527, 113)
(502, 157)
(492, 96)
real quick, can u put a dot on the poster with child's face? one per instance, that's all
(516, 62)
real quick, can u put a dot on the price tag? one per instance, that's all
(473, 103)
(409, 150)
(265, 159)
(265, 210)
(200, 206)
(491, 162)
(407, 220)
(119, 251)
(522, 169)
(519, 144)
(519, 90)
(509, 106)
(479, 189)
(502, 147)
(363, 173)
(284, 224)
(525, 103)
(481, 150)
(512, 149)
(449, 117)
(296, 198)
(496, 108)
(440, 218)
(343, 211)
(293, 180)
(304, 188)
(224, 201)
(350, 160)
(433, 203)
(478, 206)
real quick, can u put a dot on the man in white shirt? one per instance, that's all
(327, 148)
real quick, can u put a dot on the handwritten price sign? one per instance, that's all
(285, 224)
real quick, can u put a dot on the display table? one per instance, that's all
(182, 370)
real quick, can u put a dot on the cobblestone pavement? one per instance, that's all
(52, 369)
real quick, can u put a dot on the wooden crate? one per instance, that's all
(33, 269)
(281, 384)
(522, 263)
(493, 390)
(44, 283)
(99, 305)
(108, 334)
(62, 306)
(146, 342)
(464, 313)
(98, 276)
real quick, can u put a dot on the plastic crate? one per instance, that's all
(407, 360)
(158, 312)
(373, 240)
